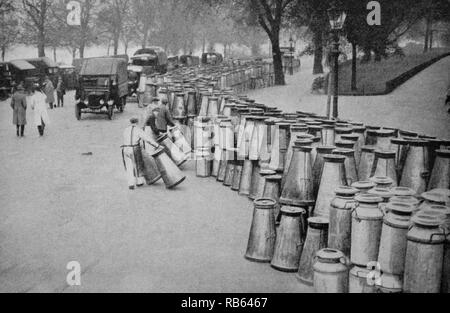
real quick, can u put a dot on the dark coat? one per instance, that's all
(19, 106)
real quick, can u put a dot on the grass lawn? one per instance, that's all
(371, 77)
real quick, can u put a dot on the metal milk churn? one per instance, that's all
(202, 133)
(261, 183)
(431, 198)
(371, 136)
(279, 146)
(203, 163)
(358, 281)
(340, 131)
(296, 130)
(424, 255)
(261, 241)
(171, 174)
(213, 106)
(229, 173)
(402, 191)
(298, 189)
(332, 177)
(328, 135)
(384, 165)
(384, 137)
(440, 176)
(256, 138)
(356, 144)
(393, 238)
(415, 172)
(316, 239)
(316, 131)
(330, 272)
(246, 178)
(289, 242)
(339, 234)
(172, 150)
(238, 168)
(318, 166)
(180, 140)
(367, 221)
(401, 147)
(351, 173)
(384, 193)
(255, 180)
(409, 200)
(179, 109)
(272, 190)
(366, 162)
(226, 138)
(363, 186)
(244, 136)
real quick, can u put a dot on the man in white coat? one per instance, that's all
(39, 107)
(132, 153)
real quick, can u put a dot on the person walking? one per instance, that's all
(39, 106)
(132, 153)
(60, 92)
(49, 91)
(19, 106)
(164, 118)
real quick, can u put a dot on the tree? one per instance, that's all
(9, 29)
(36, 22)
(111, 20)
(144, 12)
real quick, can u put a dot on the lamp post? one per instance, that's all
(337, 20)
(291, 56)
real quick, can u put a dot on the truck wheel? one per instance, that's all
(78, 111)
(111, 112)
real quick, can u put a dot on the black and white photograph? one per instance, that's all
(203, 148)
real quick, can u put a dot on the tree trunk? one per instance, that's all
(3, 53)
(41, 43)
(354, 52)
(427, 33)
(82, 48)
(318, 53)
(116, 45)
(277, 60)
(430, 47)
(54, 54)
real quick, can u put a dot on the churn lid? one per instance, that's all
(344, 152)
(345, 144)
(435, 197)
(402, 191)
(292, 211)
(363, 185)
(385, 133)
(405, 199)
(368, 198)
(400, 208)
(264, 203)
(330, 256)
(274, 177)
(344, 130)
(266, 172)
(350, 137)
(399, 141)
(385, 154)
(318, 222)
(443, 153)
(334, 158)
(382, 180)
(427, 219)
(346, 191)
(384, 193)
(441, 209)
(361, 272)
(370, 149)
(325, 149)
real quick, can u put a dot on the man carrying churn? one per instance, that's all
(164, 117)
(132, 153)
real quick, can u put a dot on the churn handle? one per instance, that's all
(356, 213)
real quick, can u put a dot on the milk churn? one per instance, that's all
(202, 133)
(407, 134)
(237, 175)
(180, 141)
(328, 135)
(415, 172)
(367, 221)
(261, 242)
(279, 146)
(179, 109)
(296, 130)
(330, 272)
(440, 176)
(371, 137)
(246, 178)
(222, 167)
(392, 252)
(344, 144)
(172, 150)
(332, 177)
(256, 139)
(316, 131)
(255, 180)
(424, 255)
(389, 283)
(341, 208)
(170, 173)
(204, 103)
(384, 165)
(213, 106)
(217, 157)
(384, 137)
(357, 144)
(261, 183)
(359, 279)
(351, 172)
(272, 190)
(191, 107)
(229, 173)
(245, 137)
(382, 181)
(289, 242)
(203, 164)
(318, 166)
(151, 172)
(316, 239)
(340, 131)
(226, 141)
(366, 162)
(363, 186)
(298, 189)
(409, 200)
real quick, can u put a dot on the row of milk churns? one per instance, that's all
(365, 246)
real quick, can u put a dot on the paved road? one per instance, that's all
(57, 205)
(417, 105)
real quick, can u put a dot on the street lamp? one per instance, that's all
(291, 56)
(337, 19)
